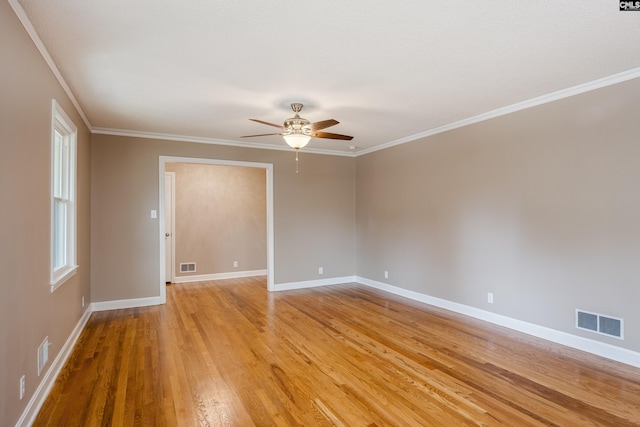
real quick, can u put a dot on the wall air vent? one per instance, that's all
(600, 324)
(187, 267)
(43, 355)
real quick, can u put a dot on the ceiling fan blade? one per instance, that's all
(328, 135)
(267, 123)
(262, 134)
(323, 124)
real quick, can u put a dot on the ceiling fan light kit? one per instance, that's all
(296, 140)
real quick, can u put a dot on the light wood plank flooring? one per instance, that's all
(231, 353)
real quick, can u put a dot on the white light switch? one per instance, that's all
(154, 213)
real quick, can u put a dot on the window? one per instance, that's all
(63, 195)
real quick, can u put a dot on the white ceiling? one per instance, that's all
(388, 71)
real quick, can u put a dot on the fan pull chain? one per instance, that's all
(296, 161)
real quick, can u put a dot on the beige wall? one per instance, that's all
(29, 312)
(314, 212)
(220, 217)
(540, 207)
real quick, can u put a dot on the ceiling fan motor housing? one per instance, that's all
(297, 124)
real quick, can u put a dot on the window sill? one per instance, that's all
(62, 276)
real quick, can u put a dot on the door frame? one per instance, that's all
(172, 249)
(163, 160)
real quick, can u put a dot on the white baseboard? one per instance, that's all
(313, 283)
(606, 350)
(125, 303)
(219, 276)
(49, 378)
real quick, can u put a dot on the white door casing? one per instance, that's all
(169, 224)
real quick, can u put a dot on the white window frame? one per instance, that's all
(63, 193)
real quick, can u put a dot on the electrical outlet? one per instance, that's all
(320, 270)
(490, 297)
(23, 381)
(235, 264)
(83, 301)
(386, 274)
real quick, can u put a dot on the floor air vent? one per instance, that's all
(600, 324)
(187, 267)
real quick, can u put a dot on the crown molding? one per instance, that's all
(533, 102)
(212, 141)
(28, 26)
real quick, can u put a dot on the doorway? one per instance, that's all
(164, 212)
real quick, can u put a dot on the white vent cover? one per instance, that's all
(187, 267)
(600, 324)
(43, 355)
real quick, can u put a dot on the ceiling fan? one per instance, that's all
(297, 131)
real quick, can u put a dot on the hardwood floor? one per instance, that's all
(231, 353)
